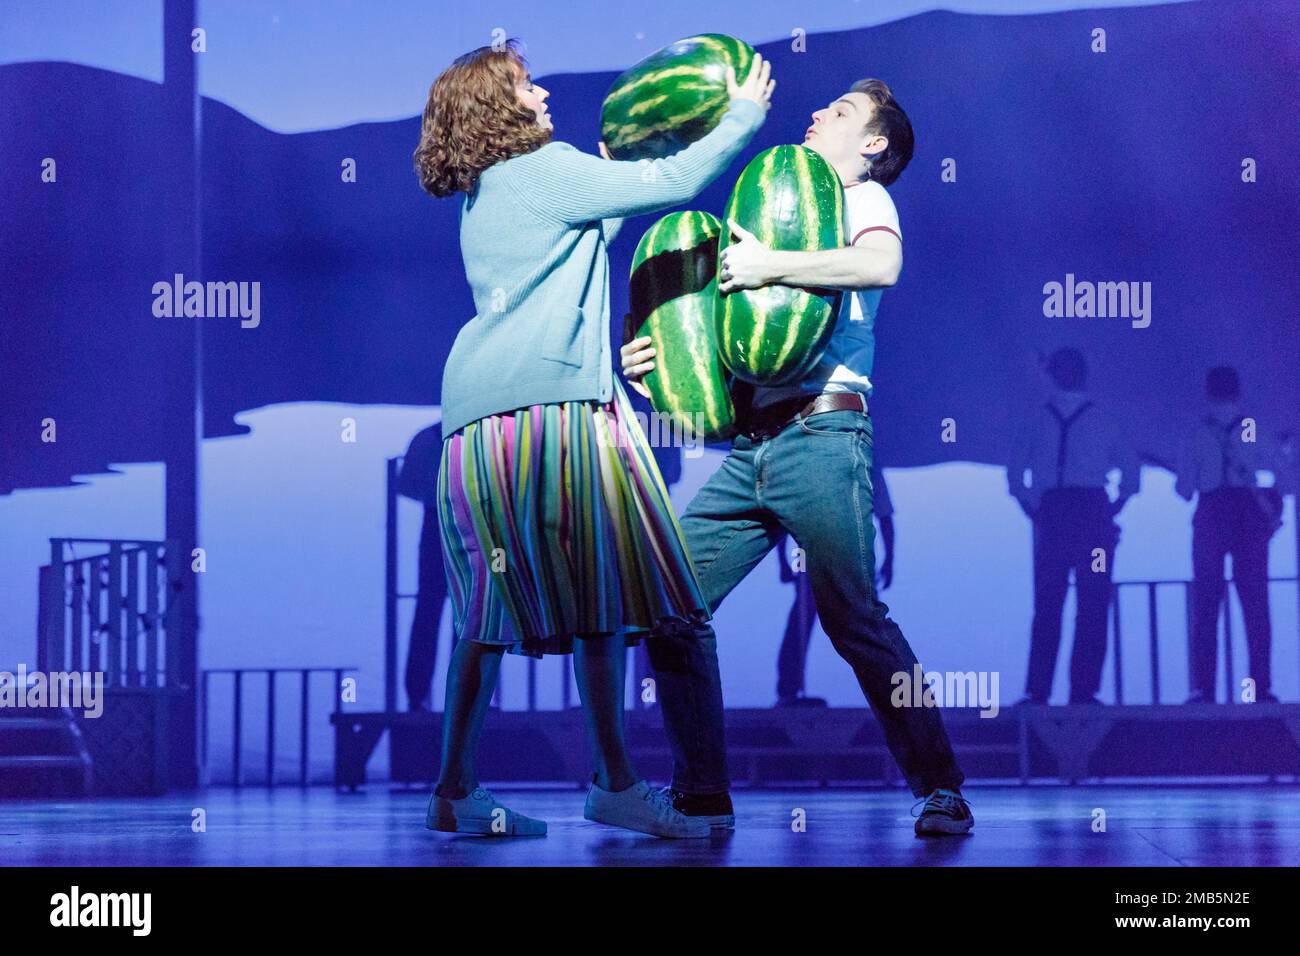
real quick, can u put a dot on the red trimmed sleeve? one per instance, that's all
(889, 229)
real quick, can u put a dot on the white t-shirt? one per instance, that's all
(845, 366)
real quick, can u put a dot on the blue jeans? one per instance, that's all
(812, 480)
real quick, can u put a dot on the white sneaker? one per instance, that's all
(643, 809)
(479, 813)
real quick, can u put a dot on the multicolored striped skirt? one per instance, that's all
(556, 523)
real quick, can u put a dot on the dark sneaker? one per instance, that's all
(945, 812)
(801, 702)
(715, 808)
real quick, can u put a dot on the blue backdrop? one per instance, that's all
(1117, 166)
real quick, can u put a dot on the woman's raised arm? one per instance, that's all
(575, 187)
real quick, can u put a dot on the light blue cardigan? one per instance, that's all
(533, 237)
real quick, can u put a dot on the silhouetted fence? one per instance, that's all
(272, 683)
(107, 612)
(1151, 589)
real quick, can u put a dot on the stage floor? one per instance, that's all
(1232, 825)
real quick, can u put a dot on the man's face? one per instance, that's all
(839, 131)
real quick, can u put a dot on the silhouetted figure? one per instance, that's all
(792, 661)
(418, 479)
(1067, 447)
(1218, 462)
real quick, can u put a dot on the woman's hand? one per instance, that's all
(758, 86)
(638, 360)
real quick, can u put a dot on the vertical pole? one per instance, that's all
(95, 626)
(1295, 528)
(803, 595)
(114, 677)
(1022, 746)
(49, 649)
(239, 723)
(1227, 641)
(390, 587)
(76, 635)
(204, 684)
(1119, 654)
(302, 730)
(132, 635)
(1153, 630)
(270, 728)
(180, 379)
(153, 611)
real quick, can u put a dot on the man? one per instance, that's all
(1219, 461)
(418, 480)
(802, 466)
(1066, 448)
(792, 659)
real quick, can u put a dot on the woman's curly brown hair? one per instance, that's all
(473, 120)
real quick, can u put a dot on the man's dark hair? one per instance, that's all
(1069, 369)
(1222, 384)
(891, 122)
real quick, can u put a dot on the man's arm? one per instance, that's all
(1288, 475)
(873, 262)
(1187, 467)
(1017, 463)
(1125, 457)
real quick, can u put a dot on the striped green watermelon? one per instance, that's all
(673, 294)
(672, 97)
(790, 198)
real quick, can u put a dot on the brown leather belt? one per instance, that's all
(767, 422)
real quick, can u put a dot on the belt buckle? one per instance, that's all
(766, 427)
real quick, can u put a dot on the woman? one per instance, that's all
(554, 525)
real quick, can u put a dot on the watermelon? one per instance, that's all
(790, 198)
(672, 97)
(673, 294)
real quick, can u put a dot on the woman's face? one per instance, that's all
(533, 97)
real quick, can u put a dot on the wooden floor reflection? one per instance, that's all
(1236, 825)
